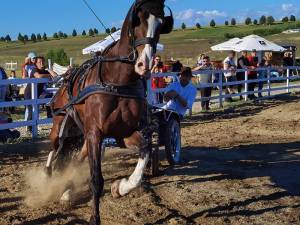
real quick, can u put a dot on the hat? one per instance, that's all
(32, 55)
(186, 71)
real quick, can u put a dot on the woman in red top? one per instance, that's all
(252, 75)
(158, 82)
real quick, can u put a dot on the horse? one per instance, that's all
(106, 98)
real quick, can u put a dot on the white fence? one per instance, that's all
(35, 101)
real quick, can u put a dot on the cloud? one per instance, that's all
(191, 14)
(289, 8)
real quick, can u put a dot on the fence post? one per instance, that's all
(35, 109)
(269, 82)
(287, 80)
(246, 85)
(49, 64)
(220, 90)
(71, 62)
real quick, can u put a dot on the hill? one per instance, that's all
(185, 45)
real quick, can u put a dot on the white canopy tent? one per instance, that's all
(103, 44)
(226, 46)
(258, 43)
(248, 43)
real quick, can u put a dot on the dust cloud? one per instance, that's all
(42, 189)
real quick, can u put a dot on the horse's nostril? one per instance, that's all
(140, 64)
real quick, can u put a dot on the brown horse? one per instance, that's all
(108, 99)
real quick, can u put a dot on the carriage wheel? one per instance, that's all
(173, 142)
(154, 154)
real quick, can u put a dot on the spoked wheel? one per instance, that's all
(173, 142)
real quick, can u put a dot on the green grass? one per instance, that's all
(184, 45)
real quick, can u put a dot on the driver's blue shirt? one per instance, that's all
(188, 92)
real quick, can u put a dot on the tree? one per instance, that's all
(39, 37)
(255, 22)
(33, 38)
(183, 26)
(107, 30)
(262, 20)
(60, 34)
(226, 23)
(7, 38)
(292, 18)
(45, 37)
(20, 38)
(26, 38)
(198, 26)
(113, 29)
(233, 22)
(248, 21)
(55, 35)
(91, 32)
(285, 19)
(212, 23)
(2, 39)
(96, 31)
(65, 35)
(270, 20)
(83, 33)
(59, 56)
(74, 33)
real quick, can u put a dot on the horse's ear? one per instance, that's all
(168, 23)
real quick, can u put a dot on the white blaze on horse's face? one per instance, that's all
(144, 61)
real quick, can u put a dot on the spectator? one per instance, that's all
(243, 63)
(264, 64)
(200, 60)
(3, 88)
(230, 75)
(158, 82)
(177, 66)
(181, 94)
(206, 79)
(38, 71)
(29, 67)
(252, 75)
(26, 62)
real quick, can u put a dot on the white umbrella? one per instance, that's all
(103, 44)
(258, 43)
(227, 45)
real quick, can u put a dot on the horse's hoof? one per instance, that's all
(65, 199)
(115, 189)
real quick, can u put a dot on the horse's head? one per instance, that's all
(146, 22)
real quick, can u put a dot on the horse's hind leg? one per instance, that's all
(93, 143)
(124, 186)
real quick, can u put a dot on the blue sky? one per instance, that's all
(53, 15)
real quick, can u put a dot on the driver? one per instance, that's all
(181, 94)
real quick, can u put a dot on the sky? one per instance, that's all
(51, 16)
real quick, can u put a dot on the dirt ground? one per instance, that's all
(240, 165)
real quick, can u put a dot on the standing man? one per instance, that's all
(243, 63)
(38, 71)
(205, 78)
(181, 94)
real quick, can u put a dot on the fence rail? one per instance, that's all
(35, 101)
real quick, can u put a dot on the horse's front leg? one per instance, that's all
(122, 187)
(93, 141)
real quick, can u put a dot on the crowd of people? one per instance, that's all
(33, 67)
